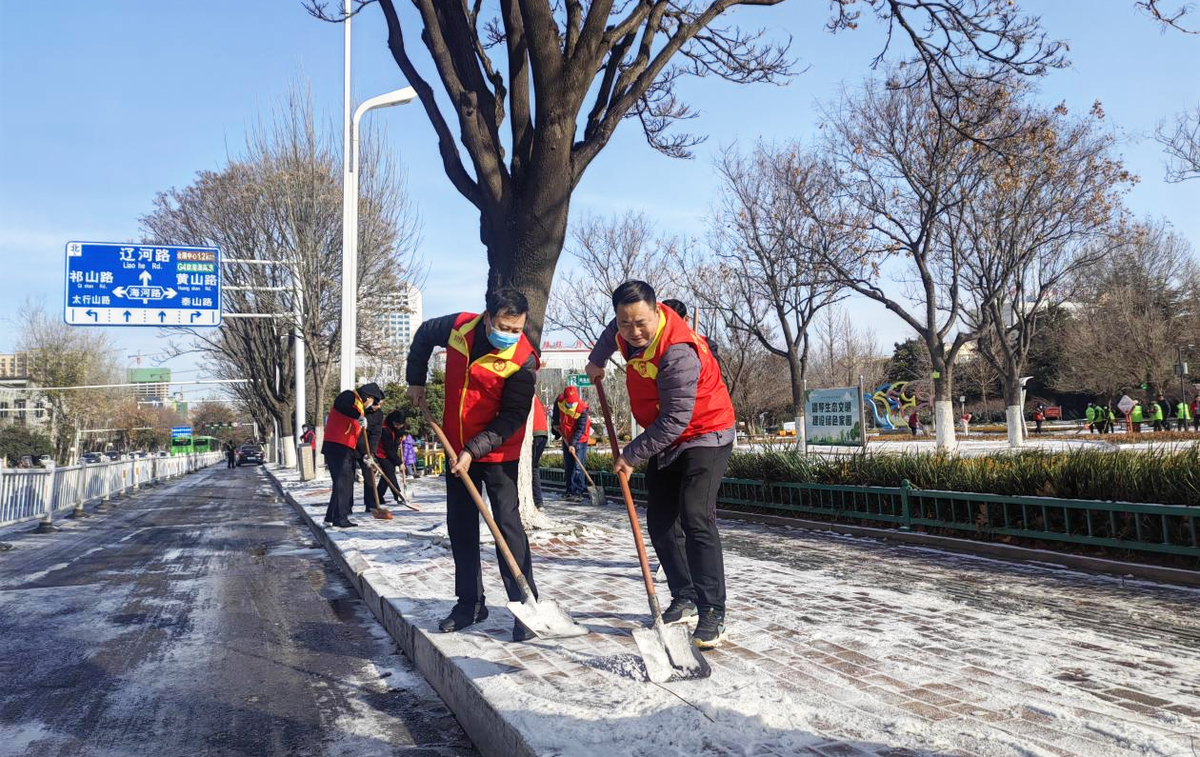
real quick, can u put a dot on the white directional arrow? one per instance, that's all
(169, 293)
(119, 292)
(145, 277)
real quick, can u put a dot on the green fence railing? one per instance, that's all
(1132, 526)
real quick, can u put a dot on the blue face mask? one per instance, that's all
(501, 340)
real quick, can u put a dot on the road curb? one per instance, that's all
(492, 735)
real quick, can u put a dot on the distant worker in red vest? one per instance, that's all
(491, 369)
(345, 445)
(389, 455)
(679, 398)
(574, 424)
(541, 437)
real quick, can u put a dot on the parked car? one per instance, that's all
(25, 461)
(249, 453)
(45, 461)
(91, 458)
(161, 453)
(113, 455)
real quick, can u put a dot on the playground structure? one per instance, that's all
(891, 404)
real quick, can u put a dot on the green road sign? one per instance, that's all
(578, 380)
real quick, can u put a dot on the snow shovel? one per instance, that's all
(404, 498)
(667, 651)
(595, 492)
(541, 616)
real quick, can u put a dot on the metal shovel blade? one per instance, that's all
(669, 654)
(597, 495)
(546, 619)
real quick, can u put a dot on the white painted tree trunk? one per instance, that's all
(532, 518)
(1015, 420)
(943, 419)
(801, 436)
(289, 451)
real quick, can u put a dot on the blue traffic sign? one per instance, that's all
(178, 431)
(142, 285)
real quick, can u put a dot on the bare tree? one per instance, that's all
(844, 351)
(774, 230)
(1044, 214)
(59, 355)
(281, 204)
(1181, 142)
(907, 170)
(606, 252)
(565, 74)
(1127, 326)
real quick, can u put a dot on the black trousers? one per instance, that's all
(462, 521)
(369, 491)
(539, 446)
(229, 460)
(340, 461)
(382, 488)
(681, 515)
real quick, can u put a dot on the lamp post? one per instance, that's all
(1181, 368)
(350, 231)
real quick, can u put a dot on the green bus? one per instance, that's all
(186, 445)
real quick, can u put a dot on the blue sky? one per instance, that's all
(104, 104)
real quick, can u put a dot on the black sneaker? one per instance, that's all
(462, 616)
(681, 609)
(521, 632)
(344, 524)
(710, 629)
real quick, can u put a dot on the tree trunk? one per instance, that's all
(796, 377)
(943, 400)
(1014, 416)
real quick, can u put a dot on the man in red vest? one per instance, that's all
(344, 445)
(679, 398)
(574, 424)
(491, 369)
(541, 436)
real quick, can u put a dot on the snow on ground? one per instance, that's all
(838, 646)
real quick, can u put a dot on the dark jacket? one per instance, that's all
(515, 400)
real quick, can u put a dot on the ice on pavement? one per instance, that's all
(836, 646)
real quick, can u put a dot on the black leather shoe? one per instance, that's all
(345, 524)
(521, 632)
(463, 616)
(710, 629)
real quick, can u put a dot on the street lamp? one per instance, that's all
(350, 231)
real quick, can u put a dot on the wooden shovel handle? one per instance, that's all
(651, 594)
(483, 508)
(579, 462)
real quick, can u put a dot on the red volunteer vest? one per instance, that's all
(714, 408)
(473, 389)
(342, 429)
(567, 418)
(540, 424)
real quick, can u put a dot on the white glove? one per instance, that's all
(362, 423)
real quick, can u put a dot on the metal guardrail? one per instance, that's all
(27, 495)
(1132, 526)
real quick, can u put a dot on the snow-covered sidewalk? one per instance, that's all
(838, 646)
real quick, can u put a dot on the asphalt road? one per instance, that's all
(199, 619)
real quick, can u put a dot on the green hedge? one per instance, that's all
(1158, 476)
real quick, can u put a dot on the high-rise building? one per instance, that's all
(14, 364)
(155, 383)
(399, 319)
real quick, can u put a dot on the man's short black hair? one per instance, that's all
(677, 306)
(507, 301)
(633, 291)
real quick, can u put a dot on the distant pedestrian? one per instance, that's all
(410, 455)
(309, 437)
(387, 457)
(1092, 414)
(230, 455)
(1195, 408)
(914, 423)
(1183, 412)
(1039, 415)
(541, 437)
